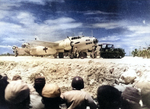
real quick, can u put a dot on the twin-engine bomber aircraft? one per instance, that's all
(75, 47)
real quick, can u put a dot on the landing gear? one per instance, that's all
(61, 55)
(71, 56)
(94, 53)
(55, 55)
(82, 55)
(16, 53)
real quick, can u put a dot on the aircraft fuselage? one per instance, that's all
(81, 43)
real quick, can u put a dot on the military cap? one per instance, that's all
(51, 91)
(16, 92)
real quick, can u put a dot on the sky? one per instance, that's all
(124, 23)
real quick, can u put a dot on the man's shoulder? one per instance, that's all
(75, 93)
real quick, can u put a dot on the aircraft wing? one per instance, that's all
(43, 43)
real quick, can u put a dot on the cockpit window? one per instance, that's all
(73, 38)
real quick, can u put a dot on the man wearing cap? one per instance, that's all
(145, 93)
(16, 77)
(39, 83)
(17, 95)
(108, 97)
(3, 85)
(77, 99)
(51, 96)
(131, 98)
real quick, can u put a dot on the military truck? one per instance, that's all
(108, 51)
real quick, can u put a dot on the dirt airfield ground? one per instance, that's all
(95, 72)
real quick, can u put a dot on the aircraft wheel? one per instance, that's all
(93, 55)
(61, 55)
(71, 56)
(55, 56)
(82, 55)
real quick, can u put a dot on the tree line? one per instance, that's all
(145, 52)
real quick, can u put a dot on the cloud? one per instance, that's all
(110, 38)
(18, 2)
(3, 14)
(109, 25)
(23, 25)
(62, 23)
(25, 18)
(140, 29)
(2, 46)
(59, 20)
(96, 13)
(8, 4)
(8, 28)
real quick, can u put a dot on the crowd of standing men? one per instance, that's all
(16, 94)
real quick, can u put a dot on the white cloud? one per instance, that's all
(16, 2)
(25, 18)
(60, 20)
(95, 12)
(2, 46)
(109, 25)
(26, 28)
(8, 28)
(140, 29)
(110, 38)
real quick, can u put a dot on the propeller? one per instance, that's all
(71, 44)
(95, 41)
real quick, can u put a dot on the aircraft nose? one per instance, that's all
(95, 41)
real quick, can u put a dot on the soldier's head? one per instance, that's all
(77, 83)
(145, 92)
(3, 84)
(130, 98)
(16, 77)
(108, 97)
(39, 83)
(51, 96)
(17, 94)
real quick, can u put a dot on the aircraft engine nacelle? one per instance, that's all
(65, 44)
(25, 45)
(14, 47)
